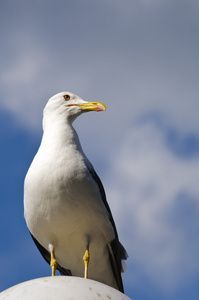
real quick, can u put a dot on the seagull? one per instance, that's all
(65, 205)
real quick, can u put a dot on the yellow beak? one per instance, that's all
(96, 106)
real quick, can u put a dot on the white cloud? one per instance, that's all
(143, 62)
(145, 185)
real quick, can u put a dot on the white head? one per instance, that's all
(68, 106)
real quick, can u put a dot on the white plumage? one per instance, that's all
(64, 201)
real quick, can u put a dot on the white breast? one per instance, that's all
(63, 207)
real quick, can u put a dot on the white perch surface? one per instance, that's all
(62, 288)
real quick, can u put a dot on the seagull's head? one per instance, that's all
(69, 106)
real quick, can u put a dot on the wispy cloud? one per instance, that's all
(150, 189)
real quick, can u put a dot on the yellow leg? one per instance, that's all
(53, 263)
(86, 261)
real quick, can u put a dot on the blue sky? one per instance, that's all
(140, 58)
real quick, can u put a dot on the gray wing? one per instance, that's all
(117, 252)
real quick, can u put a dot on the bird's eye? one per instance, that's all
(67, 97)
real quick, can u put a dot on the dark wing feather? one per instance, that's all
(117, 253)
(46, 256)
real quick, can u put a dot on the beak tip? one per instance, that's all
(100, 108)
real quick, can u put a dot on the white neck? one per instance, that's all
(59, 133)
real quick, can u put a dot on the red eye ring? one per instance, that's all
(66, 97)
